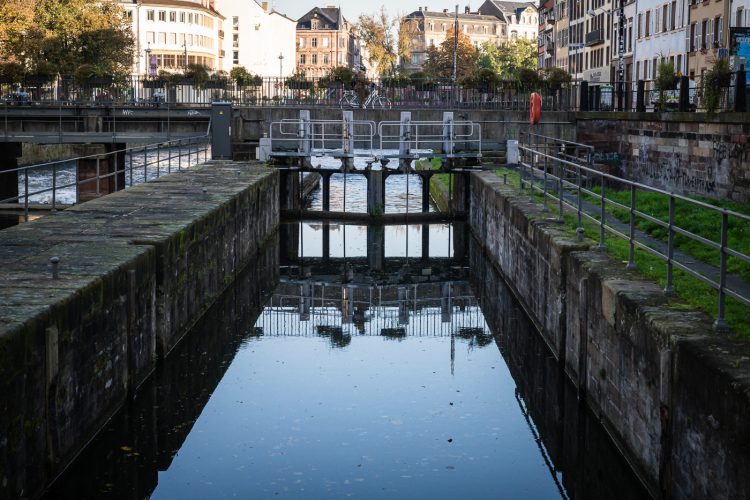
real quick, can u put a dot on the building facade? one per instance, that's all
(433, 27)
(660, 28)
(708, 34)
(170, 34)
(325, 40)
(258, 38)
(494, 22)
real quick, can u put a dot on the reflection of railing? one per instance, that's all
(186, 152)
(566, 172)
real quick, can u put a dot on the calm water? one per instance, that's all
(308, 382)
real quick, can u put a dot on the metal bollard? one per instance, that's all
(55, 261)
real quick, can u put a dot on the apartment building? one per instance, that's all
(170, 34)
(258, 38)
(660, 34)
(433, 27)
(708, 36)
(494, 22)
(325, 40)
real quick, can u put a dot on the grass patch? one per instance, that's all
(689, 289)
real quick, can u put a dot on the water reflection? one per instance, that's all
(365, 383)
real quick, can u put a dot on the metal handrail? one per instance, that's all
(195, 146)
(543, 159)
(474, 134)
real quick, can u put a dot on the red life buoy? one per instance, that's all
(536, 108)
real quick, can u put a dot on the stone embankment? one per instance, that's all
(136, 270)
(673, 394)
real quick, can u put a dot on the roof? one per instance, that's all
(329, 15)
(452, 15)
(186, 4)
(512, 7)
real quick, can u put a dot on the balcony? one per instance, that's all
(221, 33)
(551, 17)
(594, 38)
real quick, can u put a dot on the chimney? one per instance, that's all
(467, 10)
(445, 11)
(420, 9)
(265, 6)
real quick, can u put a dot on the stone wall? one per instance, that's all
(668, 389)
(687, 153)
(137, 269)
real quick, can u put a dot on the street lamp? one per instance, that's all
(281, 65)
(148, 59)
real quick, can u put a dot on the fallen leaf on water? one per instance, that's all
(126, 448)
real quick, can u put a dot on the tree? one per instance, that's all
(439, 61)
(377, 34)
(59, 36)
(510, 57)
(408, 38)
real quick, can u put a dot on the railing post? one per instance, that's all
(158, 160)
(560, 187)
(169, 159)
(720, 325)
(145, 164)
(579, 229)
(26, 195)
(98, 174)
(179, 156)
(544, 177)
(603, 214)
(740, 92)
(684, 102)
(631, 254)
(640, 97)
(584, 103)
(54, 187)
(130, 163)
(669, 288)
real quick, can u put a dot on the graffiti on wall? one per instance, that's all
(674, 172)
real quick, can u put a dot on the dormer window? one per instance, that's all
(314, 24)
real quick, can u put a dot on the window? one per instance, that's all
(665, 18)
(704, 32)
(678, 66)
(235, 40)
(190, 18)
(301, 42)
(314, 43)
(648, 23)
(673, 15)
(162, 15)
(415, 59)
(150, 15)
(182, 39)
(738, 17)
(325, 58)
(657, 23)
(150, 37)
(302, 59)
(442, 28)
(173, 38)
(173, 17)
(182, 17)
(314, 58)
(325, 43)
(163, 38)
(190, 40)
(718, 31)
(129, 14)
(640, 23)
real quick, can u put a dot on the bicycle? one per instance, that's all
(350, 99)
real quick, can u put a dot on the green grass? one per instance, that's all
(689, 217)
(689, 289)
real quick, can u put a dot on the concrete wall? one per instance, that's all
(687, 153)
(664, 385)
(137, 269)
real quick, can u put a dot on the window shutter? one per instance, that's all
(698, 38)
(709, 34)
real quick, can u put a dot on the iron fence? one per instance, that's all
(564, 171)
(639, 95)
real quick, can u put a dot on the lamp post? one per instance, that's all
(184, 46)
(281, 65)
(148, 59)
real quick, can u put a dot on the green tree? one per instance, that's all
(510, 57)
(439, 61)
(60, 36)
(376, 31)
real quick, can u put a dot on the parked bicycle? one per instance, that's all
(374, 100)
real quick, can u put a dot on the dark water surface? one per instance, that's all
(310, 381)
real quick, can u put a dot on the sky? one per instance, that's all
(353, 8)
